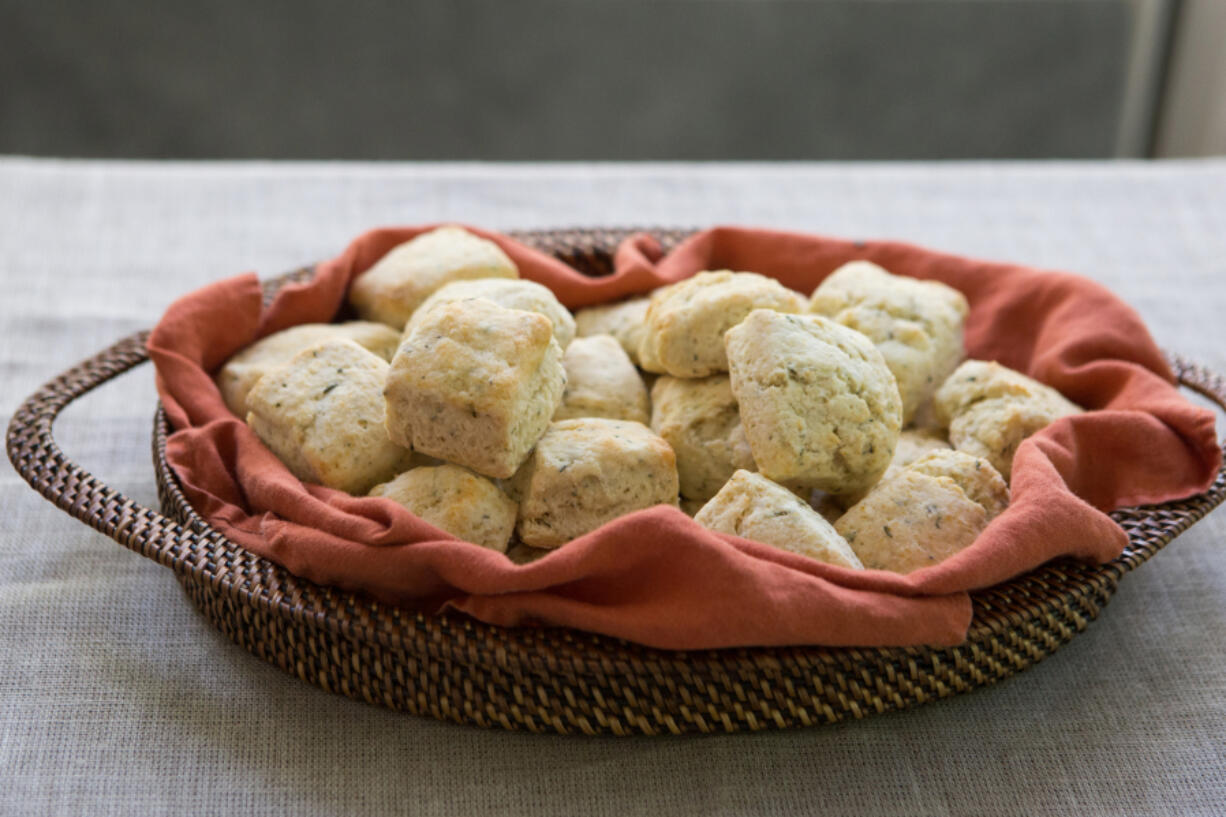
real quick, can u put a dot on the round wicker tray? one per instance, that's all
(549, 680)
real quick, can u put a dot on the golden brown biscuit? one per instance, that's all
(753, 507)
(466, 505)
(475, 384)
(623, 320)
(990, 409)
(819, 406)
(589, 471)
(322, 415)
(925, 513)
(392, 289)
(916, 324)
(241, 372)
(513, 293)
(699, 419)
(685, 324)
(601, 382)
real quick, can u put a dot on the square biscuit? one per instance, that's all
(322, 415)
(395, 285)
(752, 507)
(475, 384)
(924, 513)
(917, 325)
(819, 405)
(990, 409)
(601, 382)
(240, 373)
(466, 505)
(513, 293)
(589, 471)
(623, 320)
(700, 420)
(683, 334)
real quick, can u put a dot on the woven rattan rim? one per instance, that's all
(458, 669)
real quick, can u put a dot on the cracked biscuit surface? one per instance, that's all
(240, 373)
(752, 507)
(601, 382)
(623, 320)
(513, 293)
(322, 415)
(395, 285)
(917, 325)
(586, 472)
(925, 513)
(454, 499)
(990, 409)
(819, 406)
(686, 321)
(700, 420)
(475, 384)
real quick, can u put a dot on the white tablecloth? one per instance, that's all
(117, 697)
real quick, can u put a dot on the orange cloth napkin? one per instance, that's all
(656, 577)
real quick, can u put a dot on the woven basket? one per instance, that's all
(550, 680)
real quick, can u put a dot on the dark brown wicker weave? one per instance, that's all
(457, 669)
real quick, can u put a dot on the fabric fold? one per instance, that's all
(656, 577)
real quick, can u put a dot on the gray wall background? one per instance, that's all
(581, 79)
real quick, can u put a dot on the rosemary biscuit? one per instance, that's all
(475, 384)
(454, 499)
(623, 320)
(601, 382)
(700, 420)
(392, 289)
(752, 507)
(513, 293)
(322, 415)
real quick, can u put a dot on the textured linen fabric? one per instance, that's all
(116, 697)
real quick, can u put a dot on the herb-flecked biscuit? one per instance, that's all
(623, 320)
(686, 321)
(475, 384)
(819, 405)
(392, 289)
(513, 293)
(241, 372)
(989, 409)
(916, 324)
(601, 382)
(322, 415)
(464, 504)
(589, 471)
(752, 507)
(700, 420)
(925, 513)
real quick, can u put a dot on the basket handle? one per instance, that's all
(35, 455)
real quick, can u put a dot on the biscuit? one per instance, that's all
(475, 384)
(752, 507)
(917, 325)
(818, 403)
(699, 419)
(589, 471)
(686, 321)
(392, 289)
(925, 513)
(456, 500)
(513, 293)
(601, 382)
(322, 415)
(989, 409)
(623, 320)
(241, 372)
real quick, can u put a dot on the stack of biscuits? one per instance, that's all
(844, 426)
